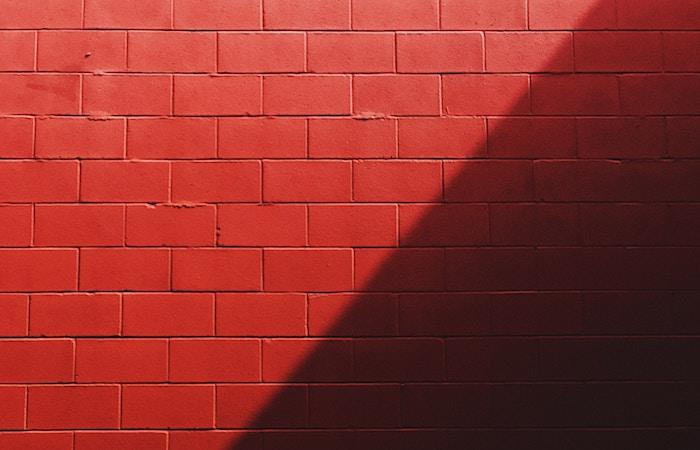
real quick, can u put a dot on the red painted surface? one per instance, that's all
(336, 224)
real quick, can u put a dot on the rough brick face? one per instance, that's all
(349, 224)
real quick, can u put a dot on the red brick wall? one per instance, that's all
(336, 224)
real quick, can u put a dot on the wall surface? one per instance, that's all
(349, 225)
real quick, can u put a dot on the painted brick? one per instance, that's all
(307, 270)
(216, 270)
(41, 14)
(80, 138)
(351, 138)
(16, 223)
(483, 14)
(121, 360)
(38, 270)
(220, 360)
(181, 138)
(74, 315)
(352, 226)
(401, 95)
(121, 440)
(439, 52)
(127, 14)
(168, 314)
(262, 225)
(119, 181)
(14, 321)
(105, 95)
(529, 52)
(17, 50)
(81, 51)
(128, 269)
(387, 181)
(260, 315)
(16, 137)
(168, 406)
(309, 94)
(261, 52)
(216, 95)
(217, 14)
(154, 51)
(167, 225)
(39, 94)
(350, 52)
(264, 137)
(442, 138)
(78, 225)
(69, 407)
(311, 15)
(307, 181)
(395, 14)
(216, 182)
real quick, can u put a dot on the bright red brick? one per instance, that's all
(147, 95)
(17, 50)
(173, 138)
(16, 225)
(443, 225)
(16, 137)
(37, 441)
(217, 14)
(262, 138)
(240, 405)
(395, 14)
(529, 52)
(174, 406)
(575, 95)
(168, 315)
(537, 137)
(354, 406)
(401, 95)
(29, 270)
(351, 138)
(80, 138)
(672, 94)
(618, 52)
(37, 181)
(442, 138)
(307, 270)
(262, 225)
(412, 359)
(122, 440)
(535, 224)
(571, 14)
(621, 137)
(485, 94)
(307, 181)
(306, 94)
(260, 315)
(291, 360)
(70, 407)
(216, 182)
(15, 314)
(483, 15)
(12, 413)
(217, 439)
(124, 181)
(352, 226)
(216, 95)
(219, 360)
(81, 51)
(682, 51)
(494, 181)
(172, 51)
(350, 52)
(353, 315)
(170, 225)
(127, 14)
(658, 14)
(36, 361)
(124, 269)
(397, 270)
(75, 315)
(439, 52)
(309, 15)
(390, 181)
(121, 360)
(216, 270)
(41, 14)
(39, 94)
(78, 225)
(261, 52)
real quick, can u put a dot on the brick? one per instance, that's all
(311, 15)
(81, 51)
(660, 94)
(215, 440)
(240, 406)
(121, 360)
(350, 52)
(399, 270)
(260, 315)
(483, 15)
(307, 270)
(36, 361)
(625, 224)
(444, 314)
(124, 269)
(39, 94)
(127, 14)
(351, 138)
(414, 359)
(262, 138)
(220, 360)
(684, 220)
(401, 95)
(571, 14)
(405, 181)
(15, 315)
(175, 406)
(531, 314)
(16, 137)
(446, 405)
(143, 95)
(216, 270)
(352, 226)
(442, 138)
(172, 138)
(17, 50)
(124, 181)
(485, 94)
(354, 406)
(608, 312)
(172, 51)
(291, 360)
(490, 269)
(529, 52)
(37, 441)
(262, 225)
(575, 95)
(41, 14)
(75, 315)
(683, 136)
(667, 14)
(618, 52)
(78, 225)
(122, 440)
(621, 137)
(395, 14)
(16, 223)
(681, 52)
(261, 52)
(167, 225)
(439, 52)
(307, 181)
(443, 225)
(353, 315)
(537, 137)
(512, 404)
(71, 407)
(338, 440)
(216, 95)
(216, 182)
(80, 138)
(168, 315)
(535, 224)
(217, 14)
(29, 270)
(306, 95)
(12, 415)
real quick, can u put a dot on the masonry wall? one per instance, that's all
(336, 224)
